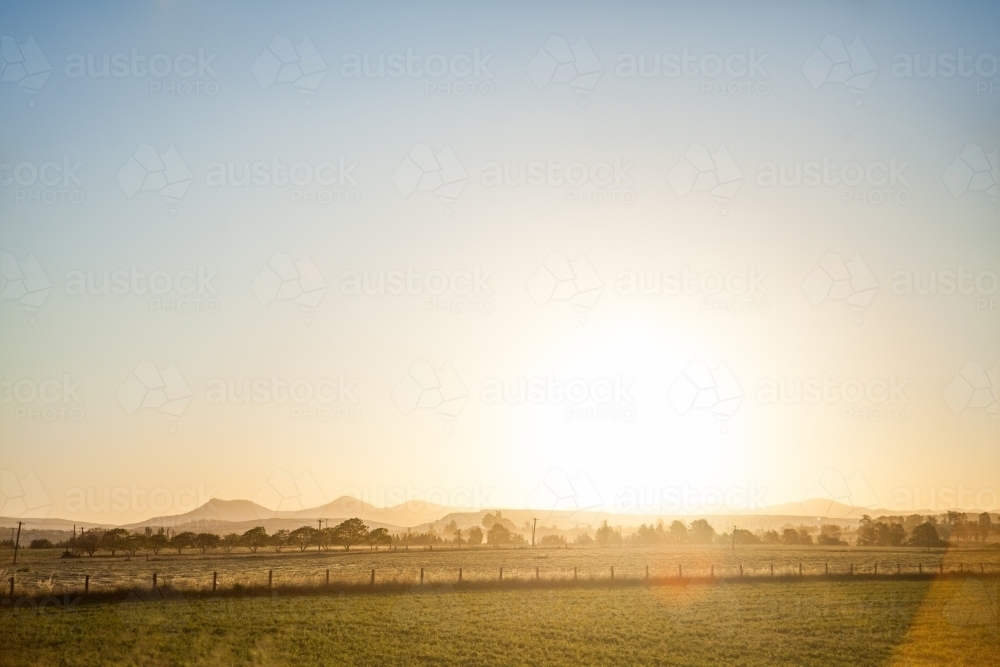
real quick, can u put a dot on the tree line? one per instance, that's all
(914, 530)
(349, 533)
(499, 531)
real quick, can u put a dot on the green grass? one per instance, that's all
(900, 622)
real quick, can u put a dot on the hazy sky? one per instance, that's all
(723, 206)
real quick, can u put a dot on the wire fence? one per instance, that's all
(519, 577)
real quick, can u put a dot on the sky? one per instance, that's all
(652, 257)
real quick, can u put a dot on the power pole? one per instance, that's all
(533, 522)
(734, 538)
(17, 541)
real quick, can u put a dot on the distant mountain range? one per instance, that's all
(219, 516)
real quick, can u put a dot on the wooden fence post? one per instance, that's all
(459, 575)
(713, 571)
(86, 584)
(800, 569)
(826, 568)
(574, 573)
(12, 589)
(501, 573)
(899, 569)
(421, 576)
(772, 569)
(612, 573)
(876, 569)
(741, 569)
(372, 582)
(270, 578)
(647, 572)
(327, 576)
(920, 568)
(852, 569)
(680, 572)
(941, 567)
(154, 580)
(215, 579)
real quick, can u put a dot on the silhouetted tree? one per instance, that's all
(984, 526)
(255, 538)
(304, 536)
(701, 532)
(279, 540)
(498, 535)
(157, 543)
(926, 535)
(90, 541)
(379, 537)
(230, 542)
(181, 541)
(352, 531)
(206, 541)
(114, 540)
(678, 532)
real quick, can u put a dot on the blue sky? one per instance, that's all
(921, 204)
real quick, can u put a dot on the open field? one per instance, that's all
(41, 572)
(853, 623)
